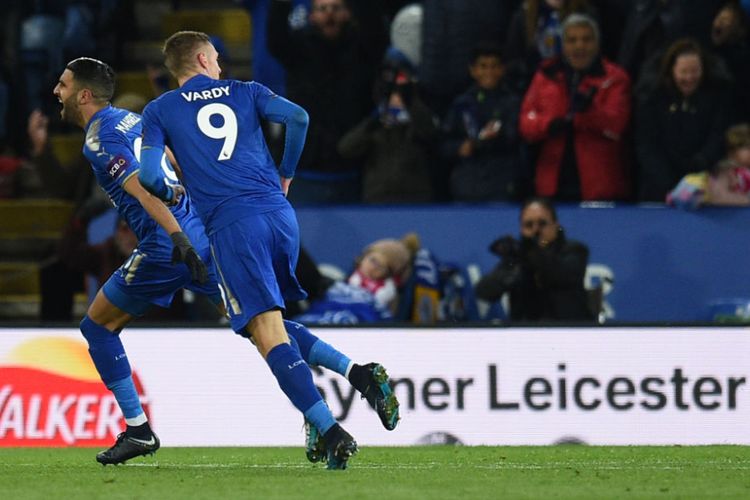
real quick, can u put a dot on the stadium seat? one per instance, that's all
(232, 25)
(67, 147)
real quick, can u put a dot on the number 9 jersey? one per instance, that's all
(213, 127)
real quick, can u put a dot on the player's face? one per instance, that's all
(579, 46)
(537, 223)
(66, 92)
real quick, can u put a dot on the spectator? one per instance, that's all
(543, 271)
(394, 142)
(726, 184)
(680, 125)
(371, 292)
(450, 31)
(652, 25)
(481, 129)
(535, 32)
(729, 39)
(331, 66)
(266, 69)
(577, 111)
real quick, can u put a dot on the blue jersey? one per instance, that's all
(113, 143)
(213, 127)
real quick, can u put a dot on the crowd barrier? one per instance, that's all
(489, 386)
(654, 263)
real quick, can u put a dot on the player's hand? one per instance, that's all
(184, 252)
(176, 191)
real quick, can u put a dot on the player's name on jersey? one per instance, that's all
(203, 95)
(130, 121)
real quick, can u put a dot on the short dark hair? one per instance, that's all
(487, 49)
(179, 49)
(95, 75)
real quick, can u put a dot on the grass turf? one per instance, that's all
(384, 473)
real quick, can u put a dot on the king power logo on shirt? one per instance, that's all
(51, 395)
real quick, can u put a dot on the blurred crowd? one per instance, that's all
(437, 101)
(444, 100)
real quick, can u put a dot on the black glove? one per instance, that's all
(582, 100)
(558, 126)
(184, 252)
(507, 246)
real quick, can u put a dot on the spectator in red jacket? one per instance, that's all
(577, 111)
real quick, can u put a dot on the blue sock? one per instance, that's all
(108, 355)
(127, 398)
(295, 379)
(315, 351)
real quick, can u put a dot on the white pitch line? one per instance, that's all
(432, 466)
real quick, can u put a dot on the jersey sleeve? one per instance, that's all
(277, 109)
(154, 138)
(153, 131)
(114, 157)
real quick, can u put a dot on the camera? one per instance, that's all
(506, 246)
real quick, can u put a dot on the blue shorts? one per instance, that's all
(143, 281)
(255, 259)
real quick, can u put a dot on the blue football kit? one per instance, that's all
(213, 127)
(112, 146)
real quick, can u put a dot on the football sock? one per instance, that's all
(315, 351)
(295, 379)
(359, 377)
(110, 360)
(142, 431)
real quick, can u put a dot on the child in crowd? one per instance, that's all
(481, 134)
(383, 267)
(727, 184)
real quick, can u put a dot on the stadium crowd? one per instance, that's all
(442, 100)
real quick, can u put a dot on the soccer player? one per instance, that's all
(156, 269)
(213, 127)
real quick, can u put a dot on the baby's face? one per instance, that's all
(373, 266)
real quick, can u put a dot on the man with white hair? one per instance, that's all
(577, 109)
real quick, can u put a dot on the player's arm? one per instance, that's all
(150, 175)
(183, 250)
(280, 110)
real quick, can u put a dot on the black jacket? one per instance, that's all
(545, 284)
(332, 80)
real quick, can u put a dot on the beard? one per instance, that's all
(70, 112)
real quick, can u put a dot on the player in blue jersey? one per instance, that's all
(156, 269)
(213, 127)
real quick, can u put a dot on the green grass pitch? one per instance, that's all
(433, 472)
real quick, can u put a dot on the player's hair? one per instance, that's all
(95, 75)
(180, 48)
